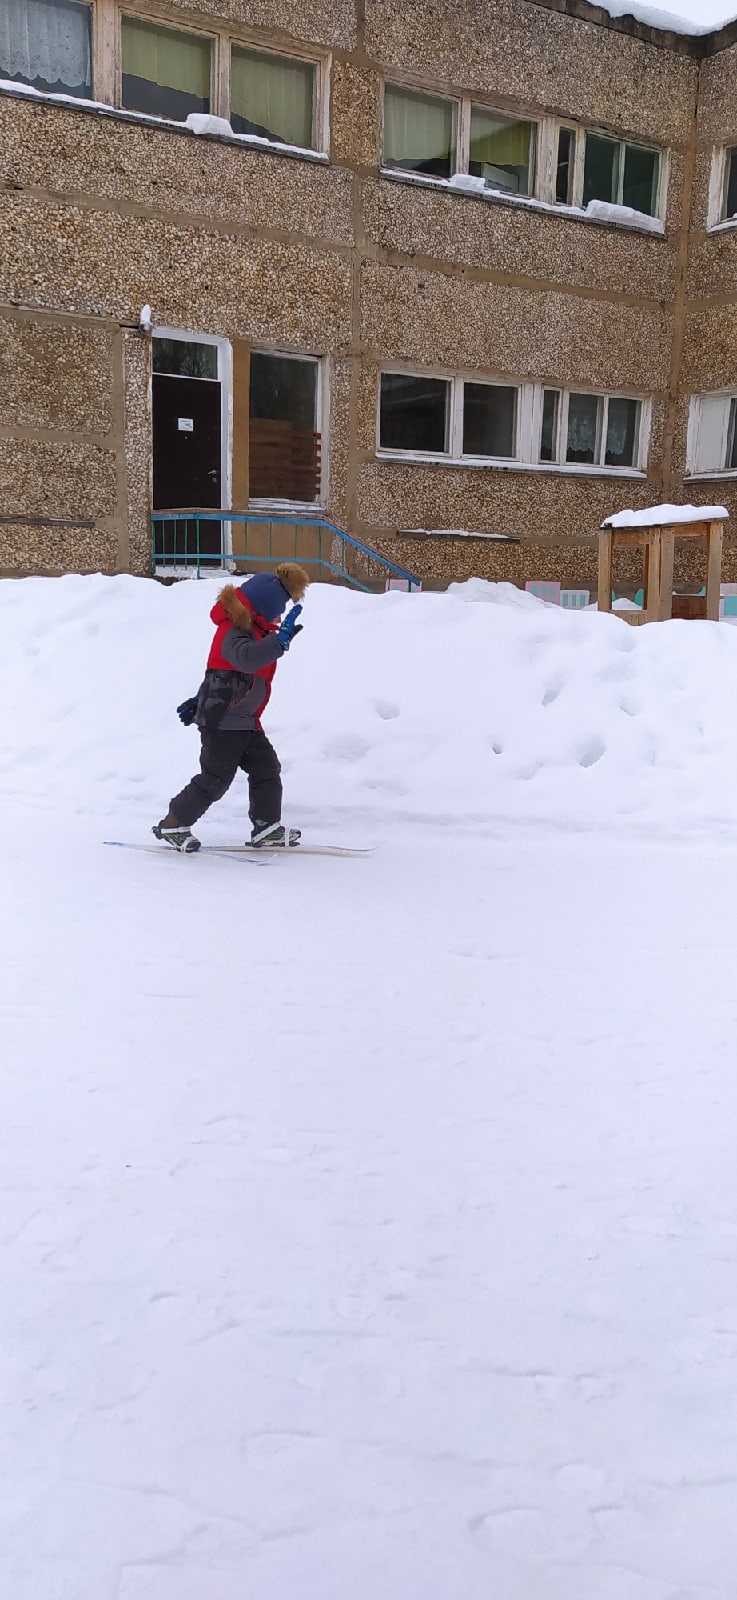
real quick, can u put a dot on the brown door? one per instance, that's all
(187, 446)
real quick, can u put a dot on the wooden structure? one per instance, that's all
(655, 532)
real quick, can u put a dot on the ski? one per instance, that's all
(254, 852)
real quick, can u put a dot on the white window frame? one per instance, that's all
(528, 424)
(564, 396)
(718, 176)
(462, 106)
(225, 379)
(322, 412)
(720, 398)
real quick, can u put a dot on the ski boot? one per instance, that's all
(273, 836)
(179, 838)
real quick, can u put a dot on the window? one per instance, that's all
(592, 430)
(564, 167)
(620, 174)
(419, 133)
(712, 444)
(47, 44)
(273, 97)
(468, 420)
(729, 193)
(489, 420)
(165, 73)
(284, 441)
(501, 151)
(438, 138)
(414, 413)
(185, 358)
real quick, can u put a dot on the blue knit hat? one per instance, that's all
(267, 594)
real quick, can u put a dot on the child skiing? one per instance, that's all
(249, 640)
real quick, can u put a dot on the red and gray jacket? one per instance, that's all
(242, 661)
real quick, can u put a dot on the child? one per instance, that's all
(232, 697)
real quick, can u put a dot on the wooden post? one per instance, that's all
(714, 535)
(652, 613)
(667, 562)
(606, 541)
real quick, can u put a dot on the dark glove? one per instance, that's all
(287, 629)
(187, 711)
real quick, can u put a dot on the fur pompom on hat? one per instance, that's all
(270, 592)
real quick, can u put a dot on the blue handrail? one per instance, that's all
(177, 544)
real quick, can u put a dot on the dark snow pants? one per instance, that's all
(221, 756)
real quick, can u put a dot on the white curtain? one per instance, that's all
(47, 43)
(273, 97)
(584, 414)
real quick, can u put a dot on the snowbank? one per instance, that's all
(474, 706)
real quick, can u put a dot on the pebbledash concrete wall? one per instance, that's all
(101, 213)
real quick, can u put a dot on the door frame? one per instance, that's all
(225, 379)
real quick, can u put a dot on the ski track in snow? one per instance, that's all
(366, 1226)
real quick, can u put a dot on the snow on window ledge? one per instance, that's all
(598, 212)
(727, 225)
(494, 464)
(715, 475)
(198, 124)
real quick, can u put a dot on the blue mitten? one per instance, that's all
(287, 629)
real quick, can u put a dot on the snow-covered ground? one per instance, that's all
(369, 1227)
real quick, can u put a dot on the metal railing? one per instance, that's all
(197, 541)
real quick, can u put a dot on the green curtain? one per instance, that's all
(499, 141)
(161, 55)
(273, 96)
(417, 129)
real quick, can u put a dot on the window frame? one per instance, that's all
(545, 129)
(320, 91)
(560, 462)
(727, 399)
(580, 133)
(462, 106)
(128, 13)
(718, 184)
(222, 40)
(528, 425)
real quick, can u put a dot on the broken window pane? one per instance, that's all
(414, 413)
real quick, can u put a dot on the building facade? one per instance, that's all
(462, 276)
